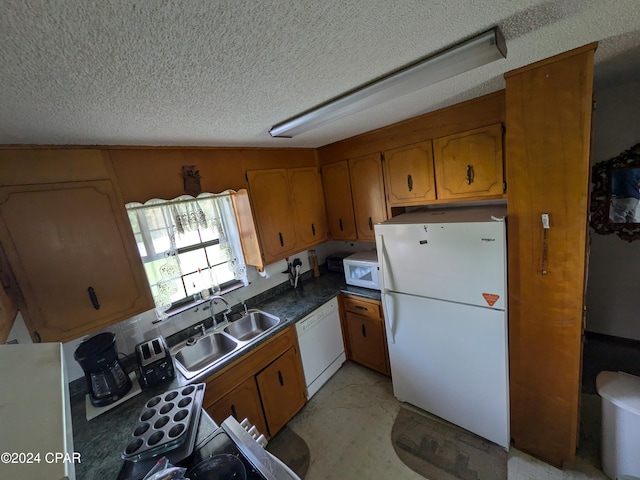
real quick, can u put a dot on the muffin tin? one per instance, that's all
(166, 422)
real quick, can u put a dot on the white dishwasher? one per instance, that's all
(321, 345)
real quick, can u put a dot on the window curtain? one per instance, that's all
(162, 222)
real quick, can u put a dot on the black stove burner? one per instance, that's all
(218, 442)
(231, 438)
(221, 443)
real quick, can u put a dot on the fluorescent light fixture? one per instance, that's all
(479, 50)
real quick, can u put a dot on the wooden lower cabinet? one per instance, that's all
(241, 402)
(282, 389)
(266, 385)
(364, 330)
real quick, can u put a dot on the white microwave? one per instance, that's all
(361, 270)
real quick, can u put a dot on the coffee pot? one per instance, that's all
(106, 379)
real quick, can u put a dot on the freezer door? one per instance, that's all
(460, 262)
(451, 360)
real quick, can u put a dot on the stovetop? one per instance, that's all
(219, 442)
(240, 440)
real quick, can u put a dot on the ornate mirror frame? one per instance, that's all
(601, 195)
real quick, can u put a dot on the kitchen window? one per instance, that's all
(190, 248)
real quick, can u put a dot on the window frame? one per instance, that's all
(144, 237)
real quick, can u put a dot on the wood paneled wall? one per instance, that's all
(468, 115)
(547, 143)
(145, 173)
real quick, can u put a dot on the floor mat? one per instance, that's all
(440, 451)
(291, 449)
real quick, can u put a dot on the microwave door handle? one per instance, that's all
(385, 276)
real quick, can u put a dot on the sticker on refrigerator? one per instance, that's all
(491, 298)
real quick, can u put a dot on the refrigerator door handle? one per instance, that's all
(385, 274)
(389, 318)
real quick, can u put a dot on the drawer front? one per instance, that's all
(362, 307)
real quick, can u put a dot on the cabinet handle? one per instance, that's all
(470, 174)
(313, 229)
(360, 307)
(37, 337)
(364, 330)
(341, 229)
(281, 239)
(94, 298)
(409, 182)
(370, 224)
(280, 378)
(234, 412)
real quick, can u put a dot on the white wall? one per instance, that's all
(613, 293)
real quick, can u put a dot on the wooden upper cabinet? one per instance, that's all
(408, 174)
(73, 254)
(8, 312)
(247, 229)
(308, 203)
(469, 164)
(289, 210)
(8, 298)
(339, 202)
(274, 214)
(367, 187)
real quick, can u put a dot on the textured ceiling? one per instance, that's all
(205, 72)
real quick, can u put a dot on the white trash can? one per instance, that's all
(620, 441)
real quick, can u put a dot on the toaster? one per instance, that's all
(155, 362)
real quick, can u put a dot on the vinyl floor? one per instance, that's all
(347, 426)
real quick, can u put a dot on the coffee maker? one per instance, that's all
(106, 379)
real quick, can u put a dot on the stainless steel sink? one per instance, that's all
(207, 350)
(251, 325)
(200, 355)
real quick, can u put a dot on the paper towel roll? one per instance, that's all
(274, 268)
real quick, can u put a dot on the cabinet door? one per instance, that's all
(271, 202)
(308, 203)
(367, 188)
(469, 164)
(367, 342)
(73, 256)
(241, 402)
(282, 389)
(408, 174)
(8, 298)
(337, 189)
(8, 312)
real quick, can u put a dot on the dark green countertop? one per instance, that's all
(101, 440)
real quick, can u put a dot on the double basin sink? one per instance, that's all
(193, 359)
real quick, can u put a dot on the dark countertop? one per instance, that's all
(101, 440)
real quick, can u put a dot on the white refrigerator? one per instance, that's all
(443, 278)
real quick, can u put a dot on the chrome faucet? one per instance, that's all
(224, 314)
(202, 329)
